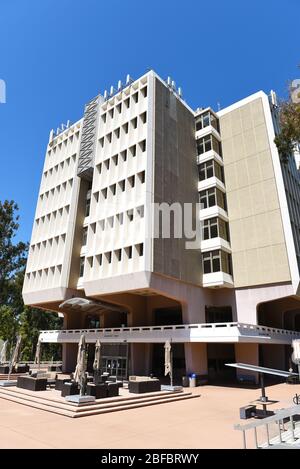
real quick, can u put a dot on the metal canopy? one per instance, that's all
(91, 306)
(261, 369)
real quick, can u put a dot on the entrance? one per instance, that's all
(217, 356)
(158, 361)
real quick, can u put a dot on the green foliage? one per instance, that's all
(15, 318)
(290, 129)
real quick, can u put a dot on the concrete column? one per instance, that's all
(69, 357)
(248, 354)
(140, 358)
(196, 358)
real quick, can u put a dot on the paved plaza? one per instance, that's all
(206, 422)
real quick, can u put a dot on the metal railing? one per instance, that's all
(277, 419)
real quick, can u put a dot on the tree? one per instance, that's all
(12, 256)
(289, 136)
(15, 318)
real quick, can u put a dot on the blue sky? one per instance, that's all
(56, 55)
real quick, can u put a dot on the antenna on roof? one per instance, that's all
(128, 80)
(173, 85)
(169, 81)
(119, 85)
(219, 106)
(105, 94)
(180, 92)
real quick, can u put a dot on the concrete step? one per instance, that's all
(71, 410)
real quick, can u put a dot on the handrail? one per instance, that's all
(280, 415)
(254, 327)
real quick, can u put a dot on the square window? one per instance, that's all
(143, 145)
(144, 92)
(115, 160)
(131, 181)
(124, 155)
(122, 185)
(111, 113)
(119, 108)
(103, 118)
(99, 168)
(104, 193)
(134, 123)
(113, 189)
(125, 128)
(133, 150)
(144, 117)
(127, 102)
(108, 136)
(117, 132)
(119, 254)
(106, 162)
(140, 249)
(141, 176)
(135, 97)
(130, 214)
(101, 141)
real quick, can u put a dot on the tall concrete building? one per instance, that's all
(94, 256)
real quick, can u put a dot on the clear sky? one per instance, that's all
(55, 55)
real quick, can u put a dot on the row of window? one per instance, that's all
(51, 241)
(124, 184)
(122, 156)
(216, 261)
(110, 222)
(124, 128)
(117, 254)
(52, 215)
(60, 167)
(46, 271)
(57, 189)
(207, 143)
(58, 146)
(215, 227)
(127, 102)
(210, 169)
(206, 119)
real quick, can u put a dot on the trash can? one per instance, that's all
(192, 380)
(185, 381)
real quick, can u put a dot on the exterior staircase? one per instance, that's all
(59, 406)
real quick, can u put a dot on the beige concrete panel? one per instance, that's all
(226, 130)
(261, 136)
(242, 173)
(230, 172)
(236, 123)
(249, 142)
(246, 117)
(266, 165)
(254, 170)
(257, 112)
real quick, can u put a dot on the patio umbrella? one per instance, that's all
(3, 357)
(168, 361)
(15, 356)
(97, 361)
(79, 375)
(37, 358)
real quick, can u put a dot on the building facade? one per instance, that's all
(98, 256)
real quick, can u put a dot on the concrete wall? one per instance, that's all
(259, 251)
(175, 180)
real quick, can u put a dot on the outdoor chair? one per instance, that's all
(141, 384)
(32, 384)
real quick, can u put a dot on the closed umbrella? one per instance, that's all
(3, 357)
(79, 375)
(168, 361)
(15, 356)
(97, 362)
(37, 358)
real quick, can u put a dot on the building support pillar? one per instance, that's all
(196, 358)
(248, 354)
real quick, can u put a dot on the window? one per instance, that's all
(133, 150)
(129, 252)
(119, 108)
(144, 117)
(111, 112)
(207, 119)
(117, 132)
(99, 168)
(210, 228)
(119, 254)
(143, 145)
(134, 123)
(130, 214)
(84, 236)
(141, 176)
(106, 163)
(135, 97)
(108, 136)
(140, 249)
(122, 185)
(108, 257)
(131, 181)
(207, 143)
(110, 221)
(144, 92)
(216, 261)
(113, 189)
(124, 155)
(209, 169)
(103, 118)
(211, 197)
(125, 128)
(96, 196)
(120, 218)
(215, 227)
(140, 211)
(81, 267)
(88, 204)
(101, 141)
(115, 160)
(127, 102)
(104, 193)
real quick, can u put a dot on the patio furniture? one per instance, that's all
(141, 384)
(4, 369)
(22, 369)
(32, 384)
(112, 389)
(99, 391)
(60, 382)
(55, 368)
(69, 389)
